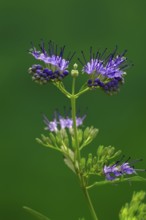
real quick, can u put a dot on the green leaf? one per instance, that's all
(36, 214)
(118, 180)
(134, 179)
(69, 164)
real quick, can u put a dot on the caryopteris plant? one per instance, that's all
(65, 132)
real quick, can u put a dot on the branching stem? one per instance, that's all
(77, 150)
(73, 107)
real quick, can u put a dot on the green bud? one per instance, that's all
(30, 70)
(111, 151)
(80, 135)
(135, 210)
(74, 71)
(100, 150)
(94, 160)
(66, 141)
(44, 138)
(73, 143)
(89, 160)
(75, 66)
(137, 197)
(86, 133)
(82, 163)
(39, 141)
(52, 138)
(117, 153)
(69, 164)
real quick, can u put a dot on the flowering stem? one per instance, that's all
(90, 205)
(62, 89)
(82, 92)
(73, 98)
(73, 106)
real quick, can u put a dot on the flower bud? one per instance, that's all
(74, 71)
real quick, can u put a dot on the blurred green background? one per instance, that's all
(32, 175)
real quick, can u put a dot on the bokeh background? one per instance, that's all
(35, 176)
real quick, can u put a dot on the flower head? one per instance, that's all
(106, 73)
(55, 65)
(113, 171)
(59, 122)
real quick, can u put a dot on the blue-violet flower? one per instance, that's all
(114, 171)
(106, 73)
(59, 122)
(55, 65)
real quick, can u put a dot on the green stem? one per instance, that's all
(77, 150)
(62, 89)
(90, 205)
(73, 107)
(82, 92)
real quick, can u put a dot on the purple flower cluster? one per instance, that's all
(44, 75)
(61, 122)
(114, 171)
(107, 73)
(55, 65)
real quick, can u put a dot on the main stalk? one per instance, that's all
(73, 98)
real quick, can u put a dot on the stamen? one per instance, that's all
(108, 58)
(65, 111)
(45, 119)
(119, 160)
(42, 46)
(111, 56)
(125, 51)
(114, 52)
(84, 56)
(142, 170)
(124, 67)
(135, 161)
(50, 48)
(78, 112)
(32, 45)
(80, 62)
(56, 49)
(69, 111)
(97, 55)
(62, 51)
(90, 53)
(68, 55)
(55, 114)
(103, 53)
(72, 56)
(53, 48)
(128, 159)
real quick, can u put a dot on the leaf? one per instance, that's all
(118, 180)
(36, 214)
(69, 164)
(135, 178)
